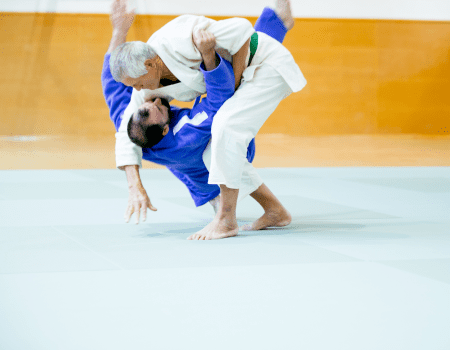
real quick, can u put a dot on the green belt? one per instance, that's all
(253, 46)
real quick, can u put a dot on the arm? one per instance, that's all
(239, 63)
(121, 20)
(205, 43)
(127, 153)
(117, 95)
(217, 73)
(122, 102)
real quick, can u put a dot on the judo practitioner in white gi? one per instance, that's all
(265, 74)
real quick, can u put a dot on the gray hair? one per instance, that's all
(127, 60)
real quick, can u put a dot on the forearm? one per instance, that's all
(133, 177)
(128, 153)
(121, 21)
(210, 60)
(119, 37)
(219, 86)
(239, 63)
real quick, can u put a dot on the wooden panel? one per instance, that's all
(272, 150)
(364, 76)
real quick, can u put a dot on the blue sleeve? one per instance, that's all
(117, 95)
(219, 87)
(270, 24)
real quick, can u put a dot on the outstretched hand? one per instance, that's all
(138, 202)
(121, 17)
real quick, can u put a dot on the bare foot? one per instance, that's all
(271, 218)
(217, 229)
(283, 9)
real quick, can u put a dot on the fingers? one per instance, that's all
(121, 8)
(128, 213)
(137, 212)
(140, 209)
(144, 213)
(138, 202)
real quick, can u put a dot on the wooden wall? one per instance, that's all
(364, 76)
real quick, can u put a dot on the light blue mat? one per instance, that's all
(365, 264)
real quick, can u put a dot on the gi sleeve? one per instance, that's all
(219, 85)
(127, 153)
(117, 95)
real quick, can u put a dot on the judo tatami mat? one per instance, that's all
(365, 264)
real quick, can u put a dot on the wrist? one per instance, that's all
(120, 33)
(211, 61)
(209, 54)
(118, 38)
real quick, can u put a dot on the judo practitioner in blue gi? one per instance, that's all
(177, 137)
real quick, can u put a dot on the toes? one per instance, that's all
(198, 237)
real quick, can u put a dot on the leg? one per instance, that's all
(271, 24)
(275, 214)
(224, 224)
(283, 10)
(239, 120)
(236, 123)
(250, 180)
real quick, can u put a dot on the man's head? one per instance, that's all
(150, 123)
(136, 64)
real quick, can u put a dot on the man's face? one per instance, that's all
(158, 112)
(150, 80)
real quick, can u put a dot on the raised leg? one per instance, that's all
(283, 10)
(271, 24)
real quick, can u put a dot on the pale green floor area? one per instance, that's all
(364, 265)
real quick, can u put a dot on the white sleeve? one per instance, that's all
(231, 34)
(127, 153)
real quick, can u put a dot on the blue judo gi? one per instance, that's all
(181, 150)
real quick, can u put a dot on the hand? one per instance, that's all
(138, 202)
(204, 41)
(121, 18)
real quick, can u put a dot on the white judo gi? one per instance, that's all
(272, 76)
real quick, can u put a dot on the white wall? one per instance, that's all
(365, 9)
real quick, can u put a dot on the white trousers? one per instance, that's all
(250, 180)
(239, 120)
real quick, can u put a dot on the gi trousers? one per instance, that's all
(250, 180)
(237, 123)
